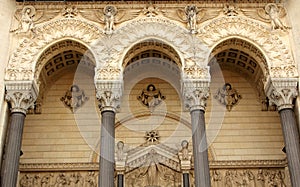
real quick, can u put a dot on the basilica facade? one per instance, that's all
(149, 93)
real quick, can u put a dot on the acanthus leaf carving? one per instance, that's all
(109, 93)
(21, 95)
(195, 94)
(282, 92)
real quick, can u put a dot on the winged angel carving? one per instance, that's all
(28, 17)
(110, 16)
(191, 15)
(272, 13)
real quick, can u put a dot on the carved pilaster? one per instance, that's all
(282, 92)
(195, 94)
(21, 95)
(109, 94)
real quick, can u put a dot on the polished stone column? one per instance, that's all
(107, 149)
(12, 150)
(186, 180)
(292, 146)
(282, 92)
(108, 95)
(120, 180)
(195, 94)
(21, 96)
(201, 165)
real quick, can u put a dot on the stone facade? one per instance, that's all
(150, 65)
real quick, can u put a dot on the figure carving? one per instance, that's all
(216, 178)
(74, 98)
(120, 152)
(110, 16)
(191, 15)
(151, 97)
(272, 13)
(228, 96)
(29, 16)
(46, 180)
(91, 179)
(275, 14)
(185, 154)
(191, 12)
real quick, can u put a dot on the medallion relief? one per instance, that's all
(151, 97)
(74, 98)
(228, 96)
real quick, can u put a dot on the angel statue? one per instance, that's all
(191, 15)
(272, 13)
(275, 14)
(26, 20)
(191, 12)
(28, 17)
(109, 13)
(110, 16)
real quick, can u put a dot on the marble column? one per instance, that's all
(186, 180)
(201, 165)
(196, 94)
(120, 180)
(107, 149)
(282, 92)
(21, 96)
(108, 95)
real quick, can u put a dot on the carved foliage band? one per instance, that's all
(21, 95)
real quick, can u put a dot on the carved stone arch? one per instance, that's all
(114, 48)
(278, 55)
(23, 60)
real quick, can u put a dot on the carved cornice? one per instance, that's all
(282, 92)
(195, 93)
(248, 164)
(21, 95)
(109, 94)
(95, 166)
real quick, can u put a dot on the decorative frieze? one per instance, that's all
(282, 92)
(21, 95)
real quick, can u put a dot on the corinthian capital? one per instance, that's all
(109, 94)
(21, 95)
(195, 94)
(282, 92)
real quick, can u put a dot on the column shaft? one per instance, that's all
(120, 180)
(201, 165)
(186, 180)
(12, 150)
(107, 149)
(291, 139)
